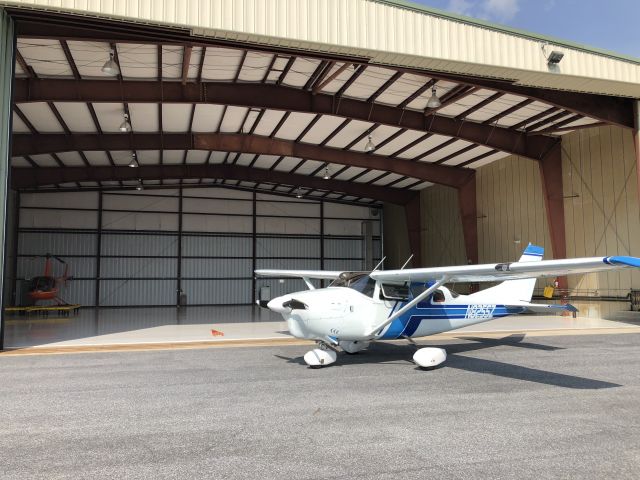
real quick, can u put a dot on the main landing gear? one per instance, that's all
(326, 354)
(427, 358)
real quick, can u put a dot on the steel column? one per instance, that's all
(179, 272)
(636, 141)
(551, 176)
(7, 74)
(14, 262)
(98, 249)
(254, 245)
(467, 204)
(322, 282)
(414, 229)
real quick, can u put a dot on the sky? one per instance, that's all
(610, 25)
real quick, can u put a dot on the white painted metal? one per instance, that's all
(430, 357)
(386, 32)
(320, 358)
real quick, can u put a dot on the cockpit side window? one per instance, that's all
(417, 289)
(364, 284)
(358, 281)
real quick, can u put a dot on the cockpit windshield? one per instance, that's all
(358, 281)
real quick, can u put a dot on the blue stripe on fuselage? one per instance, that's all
(407, 324)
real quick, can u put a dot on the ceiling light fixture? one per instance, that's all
(110, 67)
(434, 101)
(370, 146)
(298, 193)
(326, 172)
(140, 186)
(134, 161)
(126, 125)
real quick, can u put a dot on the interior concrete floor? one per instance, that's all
(117, 326)
(510, 408)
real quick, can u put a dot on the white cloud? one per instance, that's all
(500, 9)
(461, 7)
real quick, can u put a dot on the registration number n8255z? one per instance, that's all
(480, 312)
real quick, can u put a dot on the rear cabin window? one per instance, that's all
(438, 296)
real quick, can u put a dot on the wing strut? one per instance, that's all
(409, 305)
(309, 284)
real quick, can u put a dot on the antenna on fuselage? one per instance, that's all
(407, 262)
(379, 263)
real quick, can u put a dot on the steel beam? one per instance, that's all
(37, 24)
(26, 144)
(186, 61)
(279, 98)
(612, 110)
(36, 177)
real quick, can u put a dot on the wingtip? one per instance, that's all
(623, 260)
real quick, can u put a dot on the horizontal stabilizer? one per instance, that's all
(548, 309)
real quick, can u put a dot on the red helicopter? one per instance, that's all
(46, 286)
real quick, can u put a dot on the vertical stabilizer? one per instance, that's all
(515, 290)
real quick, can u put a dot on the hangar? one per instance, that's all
(165, 150)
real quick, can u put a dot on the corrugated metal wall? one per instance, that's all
(511, 210)
(388, 33)
(602, 215)
(136, 251)
(443, 242)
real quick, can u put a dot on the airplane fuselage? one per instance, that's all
(344, 314)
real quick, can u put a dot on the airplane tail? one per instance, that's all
(514, 290)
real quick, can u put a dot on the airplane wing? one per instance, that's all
(497, 272)
(317, 274)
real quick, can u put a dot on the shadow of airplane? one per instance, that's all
(389, 353)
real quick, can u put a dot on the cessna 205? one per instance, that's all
(361, 307)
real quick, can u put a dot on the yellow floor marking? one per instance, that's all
(270, 342)
(39, 321)
(51, 308)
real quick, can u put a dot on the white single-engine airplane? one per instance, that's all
(360, 307)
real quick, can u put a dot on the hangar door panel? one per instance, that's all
(196, 246)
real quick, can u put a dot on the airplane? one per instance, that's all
(358, 308)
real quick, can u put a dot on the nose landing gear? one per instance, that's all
(352, 347)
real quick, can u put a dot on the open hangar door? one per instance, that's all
(190, 246)
(261, 121)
